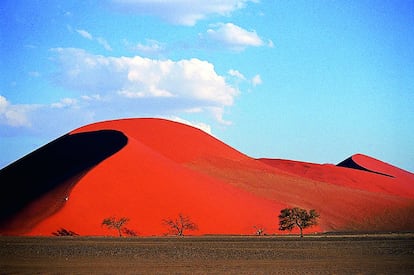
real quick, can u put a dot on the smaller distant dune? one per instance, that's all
(369, 164)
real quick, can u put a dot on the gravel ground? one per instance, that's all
(351, 254)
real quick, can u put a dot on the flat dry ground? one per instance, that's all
(345, 254)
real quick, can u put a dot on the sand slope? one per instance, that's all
(155, 169)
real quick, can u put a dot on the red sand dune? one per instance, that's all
(156, 169)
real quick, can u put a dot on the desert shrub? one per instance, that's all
(259, 230)
(129, 232)
(64, 232)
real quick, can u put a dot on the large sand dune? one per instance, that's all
(152, 169)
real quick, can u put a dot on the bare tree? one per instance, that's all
(178, 225)
(290, 218)
(113, 223)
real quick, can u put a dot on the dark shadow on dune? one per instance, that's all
(350, 163)
(45, 171)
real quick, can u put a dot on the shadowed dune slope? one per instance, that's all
(51, 169)
(158, 168)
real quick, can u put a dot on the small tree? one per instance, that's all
(113, 223)
(179, 224)
(290, 218)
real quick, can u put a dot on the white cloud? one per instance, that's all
(188, 84)
(181, 12)
(3, 104)
(14, 115)
(85, 34)
(151, 47)
(237, 74)
(234, 37)
(218, 114)
(101, 41)
(91, 97)
(240, 79)
(200, 125)
(65, 102)
(270, 43)
(256, 80)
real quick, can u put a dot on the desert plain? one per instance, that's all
(288, 254)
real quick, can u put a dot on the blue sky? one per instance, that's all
(313, 81)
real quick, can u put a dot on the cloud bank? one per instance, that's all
(106, 87)
(137, 77)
